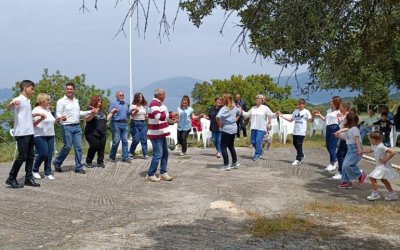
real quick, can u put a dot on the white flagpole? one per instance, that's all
(130, 53)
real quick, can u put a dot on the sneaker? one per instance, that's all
(145, 157)
(130, 156)
(165, 177)
(373, 196)
(49, 177)
(235, 165)
(362, 178)
(111, 160)
(392, 196)
(346, 185)
(101, 165)
(218, 155)
(36, 175)
(330, 167)
(182, 154)
(127, 160)
(256, 158)
(57, 167)
(296, 163)
(152, 178)
(337, 176)
(225, 167)
(89, 165)
(171, 147)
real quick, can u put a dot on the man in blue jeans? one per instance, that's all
(119, 127)
(68, 111)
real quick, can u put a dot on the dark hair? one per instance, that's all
(94, 101)
(376, 135)
(218, 97)
(302, 100)
(70, 84)
(185, 97)
(352, 120)
(336, 101)
(26, 83)
(384, 114)
(136, 99)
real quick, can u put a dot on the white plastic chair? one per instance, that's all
(205, 131)
(173, 131)
(286, 128)
(393, 136)
(318, 124)
(16, 145)
(274, 127)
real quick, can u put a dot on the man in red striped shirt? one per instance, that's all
(157, 131)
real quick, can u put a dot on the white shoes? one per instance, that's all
(36, 175)
(165, 177)
(337, 176)
(331, 167)
(391, 197)
(225, 167)
(374, 196)
(152, 178)
(49, 177)
(235, 165)
(296, 163)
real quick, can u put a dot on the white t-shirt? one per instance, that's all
(300, 118)
(351, 134)
(45, 127)
(140, 115)
(23, 124)
(332, 117)
(258, 117)
(380, 154)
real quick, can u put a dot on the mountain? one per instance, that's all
(5, 94)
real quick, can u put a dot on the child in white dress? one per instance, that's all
(383, 170)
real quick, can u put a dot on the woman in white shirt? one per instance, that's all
(260, 119)
(138, 124)
(44, 136)
(332, 120)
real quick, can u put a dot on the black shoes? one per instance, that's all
(89, 165)
(31, 182)
(101, 165)
(80, 171)
(57, 167)
(13, 183)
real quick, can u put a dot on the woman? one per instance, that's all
(95, 133)
(260, 120)
(44, 136)
(186, 113)
(138, 124)
(214, 128)
(226, 119)
(331, 119)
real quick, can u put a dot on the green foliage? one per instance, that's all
(249, 87)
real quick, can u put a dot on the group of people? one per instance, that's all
(344, 134)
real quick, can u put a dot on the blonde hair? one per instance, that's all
(262, 97)
(230, 104)
(42, 97)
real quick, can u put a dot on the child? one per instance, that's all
(383, 169)
(385, 126)
(350, 169)
(267, 140)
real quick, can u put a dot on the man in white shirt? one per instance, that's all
(68, 111)
(23, 133)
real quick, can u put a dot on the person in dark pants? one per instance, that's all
(24, 134)
(342, 147)
(216, 134)
(241, 125)
(138, 125)
(385, 125)
(95, 133)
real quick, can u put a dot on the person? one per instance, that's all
(214, 128)
(383, 168)
(118, 113)
(159, 119)
(385, 125)
(350, 169)
(226, 119)
(367, 123)
(185, 114)
(342, 147)
(69, 112)
(138, 111)
(396, 119)
(389, 114)
(44, 137)
(23, 134)
(332, 125)
(95, 133)
(241, 125)
(260, 119)
(300, 117)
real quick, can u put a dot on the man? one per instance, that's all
(367, 123)
(23, 133)
(119, 127)
(68, 111)
(157, 132)
(241, 125)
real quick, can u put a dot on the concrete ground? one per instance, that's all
(202, 208)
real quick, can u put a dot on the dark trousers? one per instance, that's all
(26, 153)
(298, 145)
(44, 146)
(96, 145)
(331, 141)
(241, 126)
(228, 141)
(182, 139)
(341, 154)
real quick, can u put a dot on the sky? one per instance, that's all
(56, 35)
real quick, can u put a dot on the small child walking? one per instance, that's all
(383, 168)
(350, 169)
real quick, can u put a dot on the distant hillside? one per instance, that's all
(5, 94)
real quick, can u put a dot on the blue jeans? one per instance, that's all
(350, 169)
(139, 134)
(119, 131)
(44, 148)
(256, 140)
(216, 138)
(160, 152)
(331, 141)
(364, 131)
(72, 136)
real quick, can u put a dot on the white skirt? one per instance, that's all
(382, 172)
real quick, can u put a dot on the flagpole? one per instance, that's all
(130, 53)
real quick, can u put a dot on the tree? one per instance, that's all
(278, 98)
(345, 43)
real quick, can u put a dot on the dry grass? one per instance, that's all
(359, 209)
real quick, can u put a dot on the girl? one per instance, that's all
(138, 124)
(350, 169)
(226, 119)
(383, 168)
(342, 148)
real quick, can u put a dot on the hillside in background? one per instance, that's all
(5, 94)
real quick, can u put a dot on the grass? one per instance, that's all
(365, 210)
